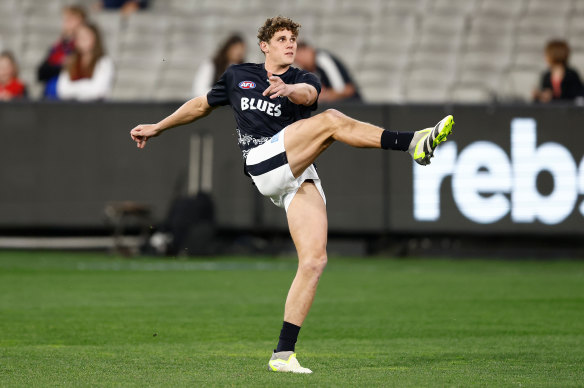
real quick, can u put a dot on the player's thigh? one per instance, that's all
(305, 140)
(307, 220)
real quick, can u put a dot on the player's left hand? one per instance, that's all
(277, 87)
(141, 133)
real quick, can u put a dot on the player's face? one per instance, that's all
(282, 47)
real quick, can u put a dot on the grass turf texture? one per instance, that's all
(88, 319)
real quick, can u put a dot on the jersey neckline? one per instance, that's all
(277, 75)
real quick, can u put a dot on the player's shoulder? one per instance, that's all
(300, 75)
(246, 67)
(242, 72)
(296, 72)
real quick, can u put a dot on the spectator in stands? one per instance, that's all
(10, 86)
(231, 52)
(48, 72)
(89, 73)
(336, 82)
(560, 82)
(126, 7)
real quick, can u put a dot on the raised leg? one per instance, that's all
(306, 139)
(308, 225)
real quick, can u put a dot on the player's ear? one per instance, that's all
(264, 47)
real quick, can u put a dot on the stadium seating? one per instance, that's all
(397, 50)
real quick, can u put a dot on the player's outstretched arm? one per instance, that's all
(301, 94)
(190, 111)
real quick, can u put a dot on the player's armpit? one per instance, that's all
(203, 106)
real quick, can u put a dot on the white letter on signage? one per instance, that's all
(528, 161)
(427, 182)
(581, 179)
(468, 182)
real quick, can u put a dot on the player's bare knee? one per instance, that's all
(315, 265)
(333, 117)
(333, 120)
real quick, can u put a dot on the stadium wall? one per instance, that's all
(506, 170)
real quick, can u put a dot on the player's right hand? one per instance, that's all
(277, 87)
(141, 133)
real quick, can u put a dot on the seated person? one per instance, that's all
(231, 52)
(10, 86)
(560, 82)
(336, 82)
(89, 73)
(48, 72)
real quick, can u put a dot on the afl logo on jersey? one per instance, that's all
(247, 85)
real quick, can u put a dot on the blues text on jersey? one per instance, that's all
(259, 117)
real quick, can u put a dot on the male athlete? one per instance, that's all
(272, 102)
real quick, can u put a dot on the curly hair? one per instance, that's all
(275, 24)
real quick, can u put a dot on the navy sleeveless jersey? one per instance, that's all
(259, 118)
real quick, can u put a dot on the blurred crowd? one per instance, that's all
(560, 81)
(77, 66)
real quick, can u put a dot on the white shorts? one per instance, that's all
(268, 166)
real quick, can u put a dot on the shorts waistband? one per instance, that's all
(267, 165)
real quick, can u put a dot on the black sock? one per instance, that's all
(396, 140)
(288, 337)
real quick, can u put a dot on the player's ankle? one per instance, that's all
(399, 141)
(288, 337)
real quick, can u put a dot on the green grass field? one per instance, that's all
(70, 319)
